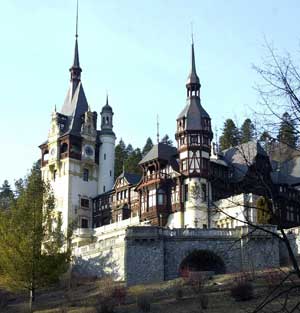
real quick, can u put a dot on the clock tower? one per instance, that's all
(70, 156)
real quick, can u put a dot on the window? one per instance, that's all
(184, 165)
(203, 189)
(110, 173)
(205, 140)
(84, 223)
(103, 188)
(104, 156)
(85, 203)
(194, 139)
(205, 164)
(160, 197)
(152, 198)
(186, 192)
(119, 217)
(85, 174)
(54, 174)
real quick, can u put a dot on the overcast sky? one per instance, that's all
(139, 51)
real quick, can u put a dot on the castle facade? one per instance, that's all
(192, 185)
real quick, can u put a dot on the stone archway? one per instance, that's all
(202, 260)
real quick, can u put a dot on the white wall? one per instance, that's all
(106, 164)
(236, 207)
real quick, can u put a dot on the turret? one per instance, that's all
(194, 137)
(107, 150)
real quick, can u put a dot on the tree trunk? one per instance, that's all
(31, 298)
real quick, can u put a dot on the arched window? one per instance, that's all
(46, 155)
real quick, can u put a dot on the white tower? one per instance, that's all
(194, 137)
(107, 150)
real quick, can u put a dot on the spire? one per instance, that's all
(193, 83)
(157, 128)
(106, 99)
(75, 70)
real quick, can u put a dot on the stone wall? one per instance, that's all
(154, 254)
(145, 254)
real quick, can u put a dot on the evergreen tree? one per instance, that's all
(287, 131)
(6, 195)
(166, 140)
(120, 157)
(247, 131)
(230, 135)
(131, 164)
(129, 150)
(31, 242)
(148, 146)
(264, 139)
(18, 187)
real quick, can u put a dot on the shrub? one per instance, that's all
(178, 293)
(273, 278)
(203, 301)
(3, 300)
(143, 303)
(105, 306)
(242, 291)
(119, 294)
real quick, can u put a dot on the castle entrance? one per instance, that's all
(202, 260)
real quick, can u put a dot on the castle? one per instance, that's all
(191, 186)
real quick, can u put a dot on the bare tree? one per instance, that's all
(256, 175)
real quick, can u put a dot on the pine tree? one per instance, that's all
(166, 140)
(131, 164)
(120, 157)
(287, 131)
(148, 146)
(129, 150)
(6, 195)
(31, 242)
(247, 131)
(230, 135)
(264, 139)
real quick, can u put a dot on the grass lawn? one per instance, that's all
(84, 298)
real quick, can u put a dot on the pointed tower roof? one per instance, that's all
(193, 77)
(107, 107)
(75, 104)
(193, 112)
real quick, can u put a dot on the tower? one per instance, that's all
(107, 150)
(194, 137)
(69, 156)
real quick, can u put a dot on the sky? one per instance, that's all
(138, 52)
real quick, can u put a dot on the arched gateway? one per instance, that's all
(202, 260)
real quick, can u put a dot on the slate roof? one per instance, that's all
(285, 162)
(193, 77)
(131, 178)
(160, 151)
(74, 107)
(193, 112)
(241, 157)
